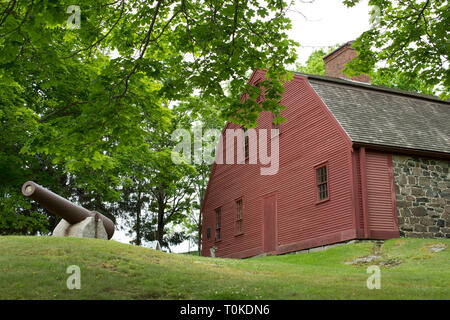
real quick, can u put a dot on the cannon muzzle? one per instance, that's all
(63, 208)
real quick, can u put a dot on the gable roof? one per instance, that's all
(388, 117)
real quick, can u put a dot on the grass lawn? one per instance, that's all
(35, 268)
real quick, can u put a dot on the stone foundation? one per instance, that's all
(423, 196)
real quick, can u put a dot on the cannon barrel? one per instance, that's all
(59, 206)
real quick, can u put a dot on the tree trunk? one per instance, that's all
(138, 227)
(138, 221)
(199, 236)
(160, 229)
(200, 218)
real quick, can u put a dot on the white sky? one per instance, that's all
(325, 23)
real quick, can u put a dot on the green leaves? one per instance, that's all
(411, 38)
(206, 47)
(315, 63)
(75, 104)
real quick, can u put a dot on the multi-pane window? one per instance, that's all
(246, 148)
(208, 233)
(218, 224)
(244, 142)
(239, 216)
(322, 183)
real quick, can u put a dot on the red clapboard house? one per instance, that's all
(356, 161)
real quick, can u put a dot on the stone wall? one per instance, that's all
(423, 196)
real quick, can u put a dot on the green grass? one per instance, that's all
(192, 253)
(35, 268)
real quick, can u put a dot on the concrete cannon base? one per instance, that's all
(88, 228)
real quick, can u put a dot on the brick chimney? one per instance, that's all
(336, 61)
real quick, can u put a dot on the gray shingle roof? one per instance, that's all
(382, 116)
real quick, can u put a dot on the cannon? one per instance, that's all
(77, 221)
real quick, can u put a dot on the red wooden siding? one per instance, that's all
(382, 216)
(310, 136)
(358, 194)
(270, 223)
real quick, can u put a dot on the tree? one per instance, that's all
(403, 81)
(204, 115)
(156, 192)
(315, 63)
(411, 38)
(172, 189)
(379, 76)
(17, 125)
(175, 46)
(82, 98)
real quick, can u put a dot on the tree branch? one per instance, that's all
(143, 49)
(104, 37)
(30, 7)
(67, 106)
(7, 11)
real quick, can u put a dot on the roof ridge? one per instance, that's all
(385, 117)
(372, 87)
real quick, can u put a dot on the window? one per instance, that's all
(246, 148)
(218, 224)
(239, 216)
(208, 233)
(245, 141)
(322, 183)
